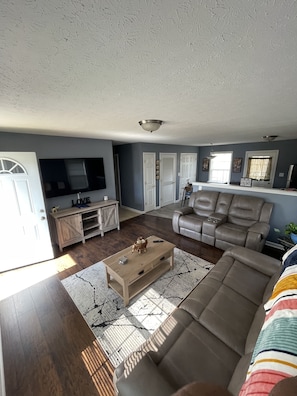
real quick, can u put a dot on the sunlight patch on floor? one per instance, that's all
(99, 368)
(14, 281)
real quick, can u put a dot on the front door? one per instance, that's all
(24, 232)
(167, 178)
(149, 181)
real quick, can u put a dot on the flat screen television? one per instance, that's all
(65, 176)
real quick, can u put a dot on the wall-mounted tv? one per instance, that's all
(72, 175)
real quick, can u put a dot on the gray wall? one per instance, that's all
(287, 156)
(65, 147)
(131, 169)
(131, 166)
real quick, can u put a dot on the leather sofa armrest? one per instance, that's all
(256, 236)
(266, 212)
(259, 261)
(253, 241)
(177, 214)
(260, 228)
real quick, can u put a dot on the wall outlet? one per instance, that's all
(276, 230)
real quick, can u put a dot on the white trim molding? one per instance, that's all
(2, 381)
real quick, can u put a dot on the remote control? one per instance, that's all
(158, 241)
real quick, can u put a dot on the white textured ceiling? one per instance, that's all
(215, 71)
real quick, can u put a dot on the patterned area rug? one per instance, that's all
(120, 330)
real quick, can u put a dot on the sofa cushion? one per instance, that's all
(203, 202)
(192, 222)
(231, 233)
(164, 338)
(245, 210)
(145, 380)
(198, 355)
(223, 203)
(247, 281)
(240, 277)
(229, 316)
(241, 269)
(200, 297)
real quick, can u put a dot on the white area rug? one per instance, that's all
(120, 330)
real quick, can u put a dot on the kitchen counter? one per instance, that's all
(201, 185)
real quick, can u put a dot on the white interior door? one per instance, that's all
(188, 169)
(24, 232)
(149, 181)
(167, 178)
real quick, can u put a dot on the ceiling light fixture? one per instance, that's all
(269, 138)
(150, 125)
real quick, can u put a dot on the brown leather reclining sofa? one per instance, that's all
(223, 220)
(210, 337)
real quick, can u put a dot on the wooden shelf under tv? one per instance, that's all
(75, 224)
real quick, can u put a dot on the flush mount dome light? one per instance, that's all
(150, 125)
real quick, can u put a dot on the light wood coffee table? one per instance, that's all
(141, 269)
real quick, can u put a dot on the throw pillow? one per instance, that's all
(275, 354)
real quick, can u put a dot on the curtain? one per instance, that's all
(259, 168)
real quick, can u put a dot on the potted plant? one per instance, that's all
(291, 229)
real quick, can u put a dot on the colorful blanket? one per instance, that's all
(275, 353)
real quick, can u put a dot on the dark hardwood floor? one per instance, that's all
(48, 349)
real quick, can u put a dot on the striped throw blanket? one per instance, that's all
(275, 353)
